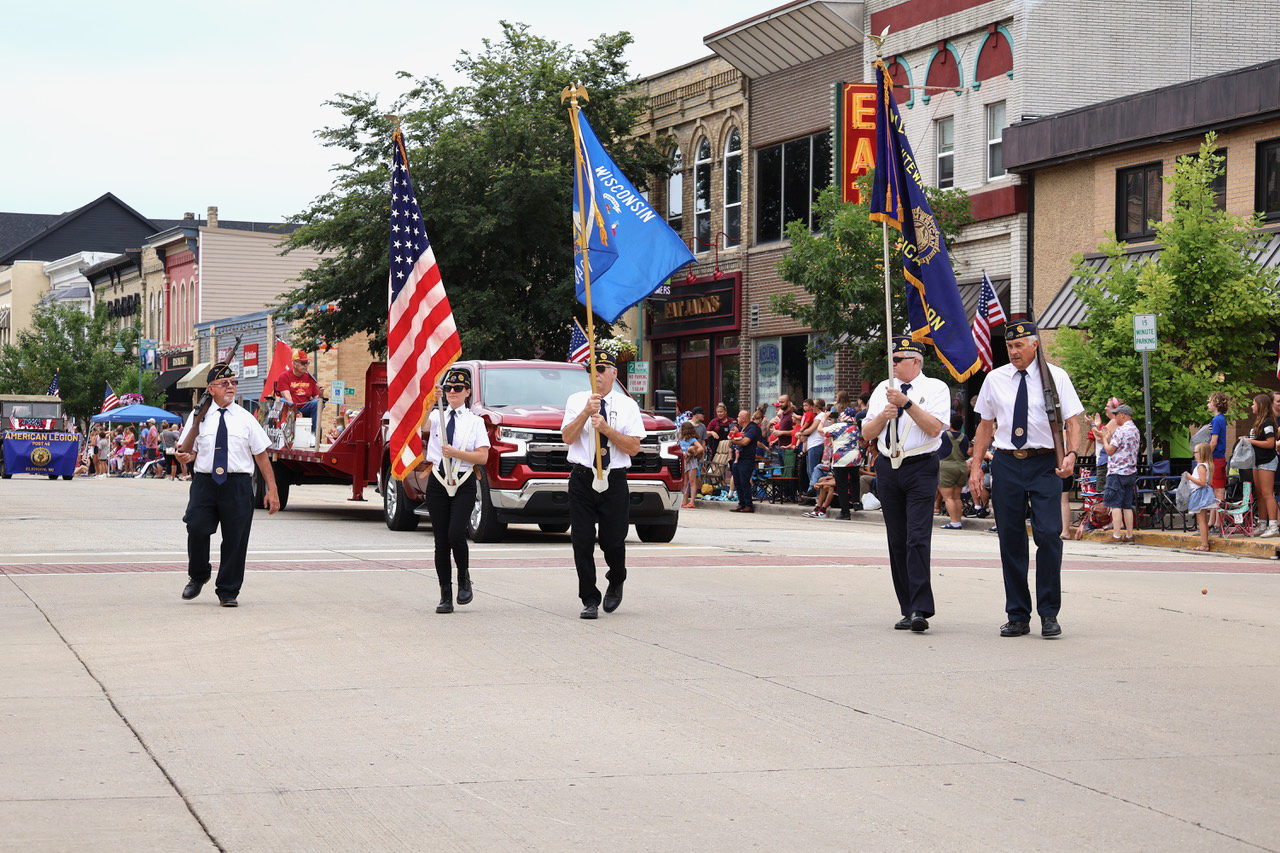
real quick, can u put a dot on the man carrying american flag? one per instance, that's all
(988, 316)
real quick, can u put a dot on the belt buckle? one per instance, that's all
(1021, 454)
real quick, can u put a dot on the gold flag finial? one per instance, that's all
(574, 91)
(879, 42)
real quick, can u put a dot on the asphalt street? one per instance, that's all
(750, 692)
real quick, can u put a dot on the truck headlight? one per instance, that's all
(514, 434)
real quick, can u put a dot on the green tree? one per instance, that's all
(840, 268)
(1216, 308)
(77, 346)
(492, 167)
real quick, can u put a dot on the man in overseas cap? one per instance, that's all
(228, 442)
(905, 416)
(1025, 468)
(606, 421)
(297, 386)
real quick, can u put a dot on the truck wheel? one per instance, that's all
(483, 526)
(259, 490)
(53, 476)
(282, 490)
(656, 532)
(553, 528)
(397, 509)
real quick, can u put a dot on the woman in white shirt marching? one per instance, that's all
(464, 442)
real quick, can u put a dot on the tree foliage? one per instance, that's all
(1216, 308)
(840, 267)
(78, 346)
(492, 168)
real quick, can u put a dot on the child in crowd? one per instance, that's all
(692, 450)
(1202, 497)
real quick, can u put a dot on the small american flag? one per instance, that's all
(422, 339)
(989, 315)
(109, 400)
(579, 346)
(55, 385)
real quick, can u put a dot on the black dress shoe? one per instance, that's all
(612, 597)
(228, 600)
(465, 593)
(1049, 627)
(845, 516)
(918, 622)
(1015, 629)
(192, 589)
(589, 612)
(903, 624)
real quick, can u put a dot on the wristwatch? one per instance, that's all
(907, 405)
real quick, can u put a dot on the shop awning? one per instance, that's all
(195, 376)
(169, 378)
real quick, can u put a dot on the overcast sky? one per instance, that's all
(175, 107)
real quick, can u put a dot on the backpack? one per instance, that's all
(955, 453)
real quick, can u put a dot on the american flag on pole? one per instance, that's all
(54, 385)
(579, 346)
(422, 340)
(109, 400)
(989, 314)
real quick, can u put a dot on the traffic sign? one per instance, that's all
(1144, 332)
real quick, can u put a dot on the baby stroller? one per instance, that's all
(1237, 516)
(1094, 514)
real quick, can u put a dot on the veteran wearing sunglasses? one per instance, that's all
(608, 419)
(906, 416)
(457, 440)
(228, 444)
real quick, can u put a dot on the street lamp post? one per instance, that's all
(119, 349)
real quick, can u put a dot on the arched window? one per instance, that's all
(944, 72)
(192, 313)
(702, 196)
(733, 190)
(182, 312)
(675, 191)
(995, 56)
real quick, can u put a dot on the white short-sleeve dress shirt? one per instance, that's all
(245, 439)
(1000, 389)
(468, 434)
(623, 414)
(930, 394)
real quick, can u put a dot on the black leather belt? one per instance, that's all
(229, 474)
(1026, 451)
(585, 469)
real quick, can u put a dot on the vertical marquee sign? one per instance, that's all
(855, 135)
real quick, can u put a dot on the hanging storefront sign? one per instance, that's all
(856, 136)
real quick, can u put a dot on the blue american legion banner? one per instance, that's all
(52, 453)
(934, 307)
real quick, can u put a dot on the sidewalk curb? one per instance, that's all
(1237, 546)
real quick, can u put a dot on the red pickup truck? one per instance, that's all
(524, 481)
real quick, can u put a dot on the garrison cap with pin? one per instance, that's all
(457, 376)
(603, 359)
(221, 370)
(1020, 329)
(903, 343)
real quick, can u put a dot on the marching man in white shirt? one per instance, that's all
(911, 412)
(610, 419)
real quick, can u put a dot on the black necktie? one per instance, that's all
(906, 386)
(220, 449)
(448, 430)
(1019, 437)
(604, 442)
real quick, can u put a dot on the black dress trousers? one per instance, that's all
(906, 498)
(1015, 485)
(230, 505)
(609, 513)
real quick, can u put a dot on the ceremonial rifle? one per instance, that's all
(1052, 403)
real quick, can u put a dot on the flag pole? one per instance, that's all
(581, 235)
(895, 447)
